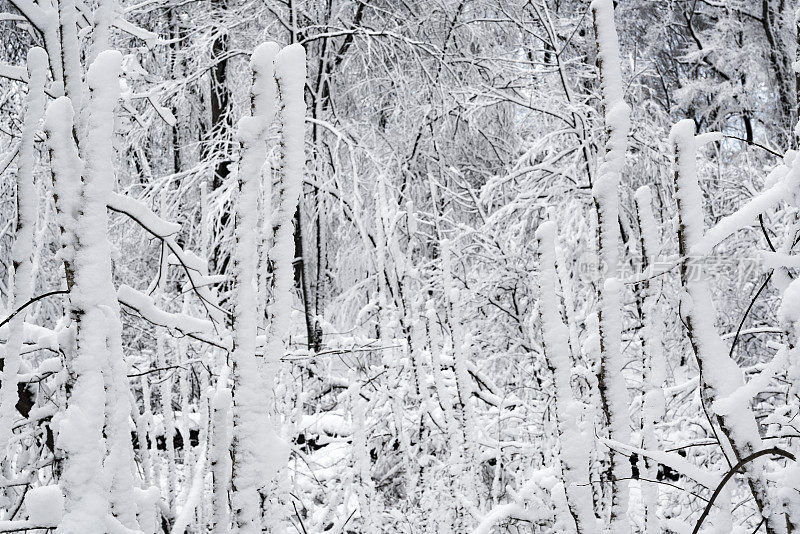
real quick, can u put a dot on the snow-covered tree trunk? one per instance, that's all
(70, 60)
(290, 76)
(362, 468)
(613, 390)
(462, 402)
(166, 379)
(654, 372)
(219, 455)
(259, 454)
(81, 426)
(453, 518)
(720, 376)
(96, 420)
(249, 399)
(789, 478)
(152, 443)
(23, 277)
(574, 451)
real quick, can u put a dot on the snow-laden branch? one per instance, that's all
(195, 268)
(139, 212)
(526, 507)
(673, 460)
(786, 179)
(145, 306)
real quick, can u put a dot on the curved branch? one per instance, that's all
(32, 301)
(741, 463)
(747, 312)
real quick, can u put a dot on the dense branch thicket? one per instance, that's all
(377, 266)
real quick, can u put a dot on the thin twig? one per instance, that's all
(299, 518)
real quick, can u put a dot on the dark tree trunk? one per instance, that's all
(301, 282)
(781, 63)
(221, 123)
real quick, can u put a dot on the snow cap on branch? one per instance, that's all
(37, 60)
(262, 62)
